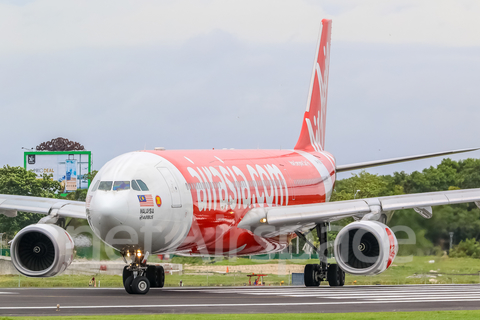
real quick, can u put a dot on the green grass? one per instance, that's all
(107, 281)
(416, 271)
(235, 261)
(428, 315)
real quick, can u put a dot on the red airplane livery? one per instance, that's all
(226, 203)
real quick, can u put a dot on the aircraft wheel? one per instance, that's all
(126, 274)
(310, 275)
(160, 276)
(335, 276)
(342, 277)
(140, 285)
(152, 276)
(128, 285)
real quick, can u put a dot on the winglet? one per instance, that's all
(312, 136)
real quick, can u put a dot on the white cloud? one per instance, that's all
(439, 22)
(50, 25)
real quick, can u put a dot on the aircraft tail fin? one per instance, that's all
(312, 136)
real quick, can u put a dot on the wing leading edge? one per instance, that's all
(10, 205)
(281, 220)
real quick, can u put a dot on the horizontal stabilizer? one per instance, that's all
(369, 164)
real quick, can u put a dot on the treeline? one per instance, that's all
(432, 235)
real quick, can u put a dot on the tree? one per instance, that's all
(19, 181)
(368, 186)
(91, 175)
(462, 219)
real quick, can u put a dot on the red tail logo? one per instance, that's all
(312, 136)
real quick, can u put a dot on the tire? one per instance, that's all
(160, 276)
(152, 276)
(126, 274)
(140, 285)
(128, 285)
(310, 275)
(334, 275)
(342, 277)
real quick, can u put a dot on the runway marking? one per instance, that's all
(371, 296)
(235, 304)
(428, 298)
(306, 293)
(430, 293)
(342, 289)
(396, 297)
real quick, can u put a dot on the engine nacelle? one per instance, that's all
(365, 248)
(42, 250)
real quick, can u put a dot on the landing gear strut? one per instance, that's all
(138, 277)
(316, 273)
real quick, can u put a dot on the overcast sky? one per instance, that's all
(119, 76)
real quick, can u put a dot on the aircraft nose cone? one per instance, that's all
(107, 211)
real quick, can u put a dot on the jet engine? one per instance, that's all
(42, 250)
(365, 248)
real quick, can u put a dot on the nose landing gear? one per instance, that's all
(138, 277)
(314, 274)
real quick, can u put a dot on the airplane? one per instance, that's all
(226, 203)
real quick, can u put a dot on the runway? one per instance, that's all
(80, 301)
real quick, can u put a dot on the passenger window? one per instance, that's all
(105, 185)
(95, 187)
(135, 186)
(121, 185)
(142, 185)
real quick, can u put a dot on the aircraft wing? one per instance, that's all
(10, 205)
(272, 221)
(376, 163)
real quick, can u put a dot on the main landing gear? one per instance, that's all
(138, 277)
(316, 273)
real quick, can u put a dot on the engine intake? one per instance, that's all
(365, 248)
(42, 250)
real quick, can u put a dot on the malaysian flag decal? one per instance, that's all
(145, 200)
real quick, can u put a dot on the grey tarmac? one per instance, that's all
(86, 301)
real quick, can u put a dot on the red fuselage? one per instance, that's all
(226, 184)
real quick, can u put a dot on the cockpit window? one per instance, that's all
(142, 185)
(135, 186)
(95, 187)
(105, 185)
(121, 185)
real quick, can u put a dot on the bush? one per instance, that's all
(421, 247)
(466, 248)
(188, 260)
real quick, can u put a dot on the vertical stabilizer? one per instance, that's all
(312, 136)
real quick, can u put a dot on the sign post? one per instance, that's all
(68, 162)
